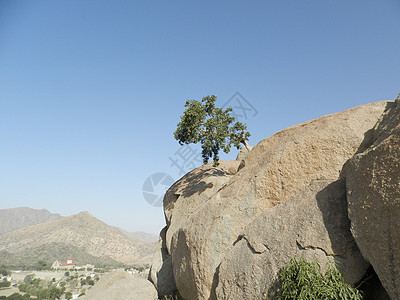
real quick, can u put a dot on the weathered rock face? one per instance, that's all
(161, 274)
(373, 193)
(244, 151)
(184, 199)
(312, 224)
(208, 210)
(121, 285)
(194, 189)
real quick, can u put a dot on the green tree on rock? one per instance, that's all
(211, 126)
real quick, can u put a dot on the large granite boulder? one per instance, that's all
(121, 285)
(193, 190)
(373, 193)
(312, 224)
(208, 210)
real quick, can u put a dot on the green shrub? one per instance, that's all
(173, 296)
(90, 282)
(301, 280)
(16, 296)
(5, 284)
(4, 272)
(29, 278)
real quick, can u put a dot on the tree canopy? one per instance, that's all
(213, 127)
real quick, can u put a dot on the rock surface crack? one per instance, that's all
(309, 247)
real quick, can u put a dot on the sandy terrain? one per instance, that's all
(9, 291)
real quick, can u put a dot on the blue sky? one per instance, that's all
(91, 91)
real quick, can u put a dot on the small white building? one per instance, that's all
(57, 265)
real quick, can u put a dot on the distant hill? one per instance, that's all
(15, 218)
(48, 253)
(82, 236)
(141, 236)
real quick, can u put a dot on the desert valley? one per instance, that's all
(71, 252)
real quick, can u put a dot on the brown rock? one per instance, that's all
(244, 151)
(193, 190)
(161, 274)
(121, 285)
(208, 209)
(373, 193)
(313, 224)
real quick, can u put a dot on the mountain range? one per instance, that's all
(15, 218)
(25, 240)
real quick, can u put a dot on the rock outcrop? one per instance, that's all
(121, 285)
(212, 214)
(193, 190)
(312, 224)
(244, 151)
(161, 274)
(373, 193)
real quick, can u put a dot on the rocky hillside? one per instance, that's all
(228, 234)
(46, 254)
(15, 218)
(81, 232)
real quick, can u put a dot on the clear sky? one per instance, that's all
(91, 91)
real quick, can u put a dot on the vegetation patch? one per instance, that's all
(301, 280)
(43, 256)
(214, 128)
